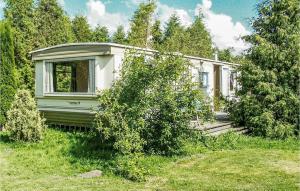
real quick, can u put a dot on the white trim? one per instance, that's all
(127, 47)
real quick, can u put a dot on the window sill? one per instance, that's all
(61, 94)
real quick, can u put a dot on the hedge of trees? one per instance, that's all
(269, 95)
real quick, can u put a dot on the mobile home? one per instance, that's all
(69, 75)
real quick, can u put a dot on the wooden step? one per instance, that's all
(239, 130)
(218, 128)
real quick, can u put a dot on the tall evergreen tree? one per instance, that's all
(53, 26)
(119, 36)
(141, 25)
(225, 55)
(100, 34)
(21, 15)
(157, 35)
(200, 43)
(8, 81)
(81, 29)
(269, 98)
(175, 36)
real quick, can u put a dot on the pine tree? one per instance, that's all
(53, 26)
(199, 43)
(21, 15)
(225, 55)
(269, 98)
(100, 34)
(175, 36)
(119, 36)
(157, 35)
(81, 29)
(8, 81)
(141, 25)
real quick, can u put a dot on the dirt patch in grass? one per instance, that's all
(190, 161)
(290, 167)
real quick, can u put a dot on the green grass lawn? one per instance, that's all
(231, 162)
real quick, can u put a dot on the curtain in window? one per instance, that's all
(91, 76)
(49, 77)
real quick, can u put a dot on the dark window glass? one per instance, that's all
(71, 76)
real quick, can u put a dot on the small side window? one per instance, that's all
(232, 80)
(203, 79)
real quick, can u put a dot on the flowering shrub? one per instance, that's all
(23, 119)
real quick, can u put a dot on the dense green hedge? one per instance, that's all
(7, 70)
(269, 95)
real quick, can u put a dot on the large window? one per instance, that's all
(70, 76)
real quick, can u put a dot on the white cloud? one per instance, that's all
(61, 3)
(2, 4)
(97, 14)
(164, 12)
(225, 33)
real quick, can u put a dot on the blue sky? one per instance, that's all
(226, 20)
(239, 10)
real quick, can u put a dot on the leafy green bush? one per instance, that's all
(130, 167)
(150, 107)
(268, 101)
(23, 119)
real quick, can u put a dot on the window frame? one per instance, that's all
(48, 78)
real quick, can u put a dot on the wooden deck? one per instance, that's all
(221, 125)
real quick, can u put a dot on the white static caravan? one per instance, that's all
(68, 76)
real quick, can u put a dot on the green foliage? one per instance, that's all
(23, 119)
(53, 26)
(175, 37)
(269, 98)
(8, 80)
(100, 34)
(150, 107)
(199, 41)
(21, 16)
(140, 25)
(81, 29)
(227, 56)
(119, 36)
(157, 35)
(130, 167)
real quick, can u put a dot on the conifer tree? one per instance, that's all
(21, 16)
(199, 42)
(8, 79)
(81, 29)
(175, 37)
(157, 35)
(269, 98)
(53, 25)
(119, 36)
(100, 34)
(141, 25)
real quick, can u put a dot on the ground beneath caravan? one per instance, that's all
(244, 163)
